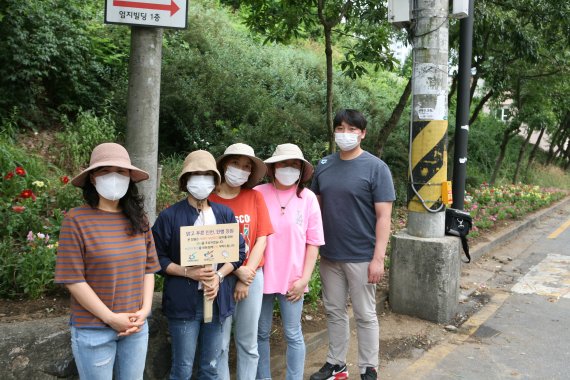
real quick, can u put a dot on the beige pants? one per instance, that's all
(339, 281)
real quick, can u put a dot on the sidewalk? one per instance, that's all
(408, 338)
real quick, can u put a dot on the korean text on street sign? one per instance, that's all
(158, 13)
(214, 244)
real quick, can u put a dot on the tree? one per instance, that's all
(56, 56)
(519, 47)
(358, 22)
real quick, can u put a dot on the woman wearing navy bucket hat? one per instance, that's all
(107, 259)
(290, 254)
(186, 287)
(241, 171)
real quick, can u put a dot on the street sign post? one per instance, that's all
(153, 13)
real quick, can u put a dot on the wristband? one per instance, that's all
(220, 275)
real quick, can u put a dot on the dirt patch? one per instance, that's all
(404, 347)
(54, 305)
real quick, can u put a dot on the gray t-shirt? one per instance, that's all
(348, 190)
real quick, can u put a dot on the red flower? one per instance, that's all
(18, 209)
(20, 171)
(64, 179)
(28, 194)
(9, 175)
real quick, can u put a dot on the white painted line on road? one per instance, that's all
(550, 277)
(559, 230)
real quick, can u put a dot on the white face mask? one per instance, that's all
(287, 176)
(346, 141)
(236, 177)
(112, 186)
(200, 186)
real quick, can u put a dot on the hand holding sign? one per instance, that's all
(201, 249)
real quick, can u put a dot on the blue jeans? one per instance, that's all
(99, 353)
(245, 318)
(186, 336)
(291, 319)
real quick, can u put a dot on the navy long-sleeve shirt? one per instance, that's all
(180, 294)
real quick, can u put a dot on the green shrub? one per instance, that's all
(79, 138)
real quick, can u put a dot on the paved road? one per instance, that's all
(523, 332)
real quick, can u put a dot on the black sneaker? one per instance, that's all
(370, 374)
(331, 372)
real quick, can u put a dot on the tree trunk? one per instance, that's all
(566, 154)
(474, 82)
(521, 154)
(553, 143)
(392, 122)
(328, 54)
(507, 135)
(535, 148)
(479, 106)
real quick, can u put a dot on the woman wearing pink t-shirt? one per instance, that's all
(290, 254)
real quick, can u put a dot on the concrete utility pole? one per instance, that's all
(424, 266)
(143, 107)
(428, 162)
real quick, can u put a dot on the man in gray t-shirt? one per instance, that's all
(356, 192)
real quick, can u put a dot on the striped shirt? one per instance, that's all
(95, 247)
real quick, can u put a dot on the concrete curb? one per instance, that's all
(317, 339)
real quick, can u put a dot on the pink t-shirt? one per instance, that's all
(296, 223)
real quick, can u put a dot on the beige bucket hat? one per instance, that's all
(240, 149)
(199, 161)
(110, 154)
(285, 152)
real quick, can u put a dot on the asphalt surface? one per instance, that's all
(514, 315)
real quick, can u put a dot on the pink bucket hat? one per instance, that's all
(110, 154)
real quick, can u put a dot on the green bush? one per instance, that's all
(79, 138)
(57, 56)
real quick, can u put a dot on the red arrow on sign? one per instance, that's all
(172, 7)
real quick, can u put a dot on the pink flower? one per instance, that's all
(18, 209)
(30, 236)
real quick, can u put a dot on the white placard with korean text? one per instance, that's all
(156, 13)
(201, 245)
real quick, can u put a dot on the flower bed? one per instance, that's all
(490, 205)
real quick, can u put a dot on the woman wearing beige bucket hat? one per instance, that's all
(242, 170)
(290, 254)
(185, 287)
(107, 259)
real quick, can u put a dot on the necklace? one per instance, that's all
(283, 206)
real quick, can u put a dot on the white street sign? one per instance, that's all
(157, 13)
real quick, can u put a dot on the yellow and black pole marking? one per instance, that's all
(428, 164)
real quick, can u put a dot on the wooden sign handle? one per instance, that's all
(208, 310)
